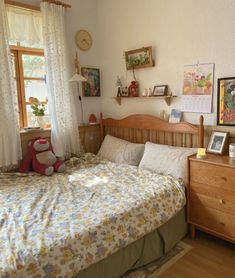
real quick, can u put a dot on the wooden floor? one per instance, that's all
(210, 257)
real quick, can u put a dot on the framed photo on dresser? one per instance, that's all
(218, 142)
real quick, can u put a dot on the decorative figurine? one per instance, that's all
(92, 119)
(119, 93)
(145, 92)
(119, 84)
(125, 92)
(133, 89)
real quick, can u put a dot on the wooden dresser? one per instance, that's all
(211, 196)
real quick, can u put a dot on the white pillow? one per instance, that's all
(167, 160)
(121, 151)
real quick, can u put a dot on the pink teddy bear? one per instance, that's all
(41, 159)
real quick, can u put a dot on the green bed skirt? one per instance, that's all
(141, 252)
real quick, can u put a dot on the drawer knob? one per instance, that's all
(222, 201)
(224, 178)
(222, 223)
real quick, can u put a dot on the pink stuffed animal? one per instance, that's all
(41, 159)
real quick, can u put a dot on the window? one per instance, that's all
(30, 79)
(28, 61)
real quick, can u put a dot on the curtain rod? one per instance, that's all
(31, 7)
(58, 3)
(23, 5)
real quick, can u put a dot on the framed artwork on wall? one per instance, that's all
(91, 88)
(218, 142)
(226, 101)
(139, 58)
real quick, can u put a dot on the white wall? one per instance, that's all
(181, 32)
(83, 15)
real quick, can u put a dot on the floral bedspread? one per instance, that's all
(56, 226)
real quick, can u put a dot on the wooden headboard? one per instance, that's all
(141, 128)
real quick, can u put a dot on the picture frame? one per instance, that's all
(218, 142)
(175, 116)
(91, 87)
(139, 58)
(226, 101)
(160, 90)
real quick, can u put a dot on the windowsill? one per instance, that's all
(23, 131)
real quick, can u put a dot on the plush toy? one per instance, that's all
(41, 159)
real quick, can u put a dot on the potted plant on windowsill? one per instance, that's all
(38, 109)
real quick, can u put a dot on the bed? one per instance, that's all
(100, 218)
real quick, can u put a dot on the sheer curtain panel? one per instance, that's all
(10, 147)
(64, 135)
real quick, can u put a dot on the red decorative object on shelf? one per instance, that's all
(133, 89)
(92, 119)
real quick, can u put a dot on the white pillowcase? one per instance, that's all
(121, 151)
(167, 160)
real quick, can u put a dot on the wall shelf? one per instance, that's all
(167, 99)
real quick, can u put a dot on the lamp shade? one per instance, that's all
(77, 78)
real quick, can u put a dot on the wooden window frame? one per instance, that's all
(18, 51)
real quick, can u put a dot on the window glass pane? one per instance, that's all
(35, 88)
(34, 66)
(31, 45)
(12, 42)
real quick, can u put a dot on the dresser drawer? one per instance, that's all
(211, 197)
(213, 175)
(211, 219)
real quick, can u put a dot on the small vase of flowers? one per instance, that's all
(38, 110)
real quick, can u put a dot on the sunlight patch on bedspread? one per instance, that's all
(56, 226)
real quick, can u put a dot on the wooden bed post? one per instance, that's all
(101, 128)
(201, 132)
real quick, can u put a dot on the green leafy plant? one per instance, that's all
(37, 106)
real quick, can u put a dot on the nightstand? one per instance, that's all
(211, 196)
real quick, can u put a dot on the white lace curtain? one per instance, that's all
(64, 135)
(10, 147)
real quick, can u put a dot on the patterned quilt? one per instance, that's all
(56, 226)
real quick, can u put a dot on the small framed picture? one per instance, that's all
(218, 142)
(160, 90)
(175, 116)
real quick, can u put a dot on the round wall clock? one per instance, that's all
(83, 39)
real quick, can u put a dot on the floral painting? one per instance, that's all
(226, 101)
(198, 80)
(91, 88)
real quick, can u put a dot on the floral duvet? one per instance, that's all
(56, 226)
